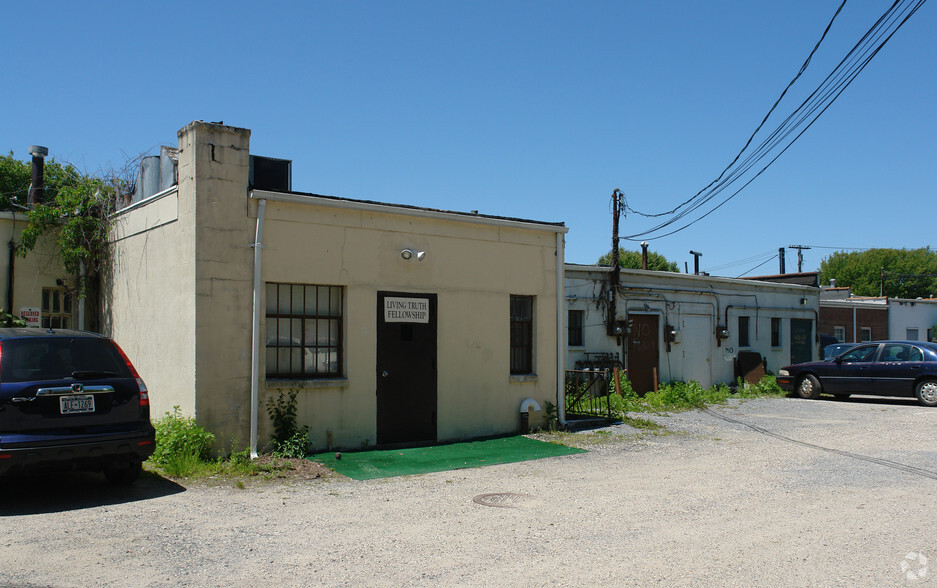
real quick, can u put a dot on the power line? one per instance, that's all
(803, 118)
(760, 125)
(757, 257)
(758, 266)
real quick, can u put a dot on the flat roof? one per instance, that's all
(323, 200)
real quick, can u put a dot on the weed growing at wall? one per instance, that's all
(678, 396)
(181, 444)
(289, 439)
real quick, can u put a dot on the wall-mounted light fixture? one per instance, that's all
(412, 255)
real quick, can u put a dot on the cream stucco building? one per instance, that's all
(37, 287)
(393, 324)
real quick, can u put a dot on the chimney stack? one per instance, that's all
(36, 186)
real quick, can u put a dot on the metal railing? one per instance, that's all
(587, 392)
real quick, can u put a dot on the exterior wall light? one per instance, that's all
(411, 255)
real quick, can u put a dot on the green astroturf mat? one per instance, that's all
(385, 463)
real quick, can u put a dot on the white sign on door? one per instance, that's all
(406, 310)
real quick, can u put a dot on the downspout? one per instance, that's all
(81, 300)
(10, 267)
(560, 333)
(255, 329)
(855, 333)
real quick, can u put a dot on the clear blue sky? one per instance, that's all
(536, 109)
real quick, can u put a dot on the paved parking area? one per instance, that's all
(779, 492)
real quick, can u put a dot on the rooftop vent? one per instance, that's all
(268, 173)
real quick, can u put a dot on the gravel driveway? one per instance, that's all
(777, 492)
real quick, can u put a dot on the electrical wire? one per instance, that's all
(758, 257)
(803, 118)
(758, 128)
(758, 266)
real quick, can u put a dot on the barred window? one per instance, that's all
(743, 332)
(775, 332)
(304, 331)
(574, 328)
(56, 308)
(522, 334)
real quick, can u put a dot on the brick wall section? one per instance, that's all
(876, 318)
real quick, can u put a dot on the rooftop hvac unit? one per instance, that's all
(268, 173)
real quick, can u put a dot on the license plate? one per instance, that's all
(76, 404)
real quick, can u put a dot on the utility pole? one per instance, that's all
(800, 256)
(617, 198)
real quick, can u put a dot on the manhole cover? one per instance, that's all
(501, 499)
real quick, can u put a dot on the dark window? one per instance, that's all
(775, 332)
(574, 328)
(863, 354)
(304, 331)
(743, 332)
(522, 334)
(49, 358)
(56, 308)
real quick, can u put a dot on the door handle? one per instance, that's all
(385, 373)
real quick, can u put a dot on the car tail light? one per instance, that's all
(144, 394)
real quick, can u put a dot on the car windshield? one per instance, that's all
(51, 358)
(864, 353)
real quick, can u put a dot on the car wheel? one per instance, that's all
(123, 473)
(809, 387)
(927, 392)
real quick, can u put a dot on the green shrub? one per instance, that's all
(675, 396)
(766, 386)
(289, 439)
(181, 444)
(296, 446)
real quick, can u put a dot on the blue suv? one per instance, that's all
(71, 400)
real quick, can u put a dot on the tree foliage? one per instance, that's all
(908, 273)
(632, 260)
(76, 209)
(15, 176)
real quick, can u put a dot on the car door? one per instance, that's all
(896, 370)
(851, 372)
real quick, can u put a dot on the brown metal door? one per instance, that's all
(643, 346)
(406, 367)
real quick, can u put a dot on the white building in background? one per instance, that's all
(912, 319)
(664, 326)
